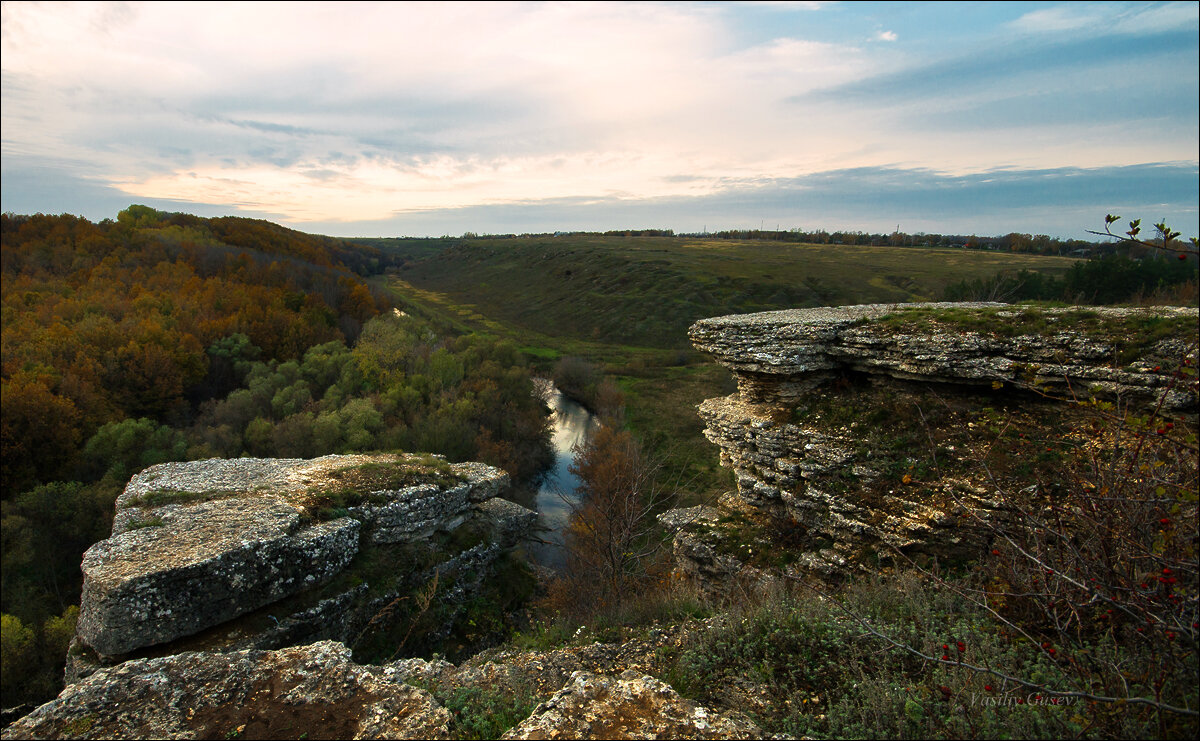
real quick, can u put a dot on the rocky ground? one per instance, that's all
(583, 690)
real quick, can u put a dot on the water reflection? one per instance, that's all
(557, 491)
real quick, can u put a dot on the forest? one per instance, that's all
(161, 337)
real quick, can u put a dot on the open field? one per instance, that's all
(646, 291)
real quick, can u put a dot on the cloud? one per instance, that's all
(1064, 202)
(1106, 18)
(327, 114)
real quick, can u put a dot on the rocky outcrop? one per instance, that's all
(312, 691)
(205, 564)
(198, 544)
(838, 466)
(580, 690)
(780, 355)
(630, 706)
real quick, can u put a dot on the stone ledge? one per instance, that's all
(782, 355)
(200, 543)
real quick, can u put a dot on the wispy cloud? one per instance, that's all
(1123, 18)
(309, 112)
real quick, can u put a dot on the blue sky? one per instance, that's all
(389, 119)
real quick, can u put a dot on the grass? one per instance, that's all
(352, 486)
(1131, 336)
(646, 291)
(162, 497)
(824, 676)
(482, 712)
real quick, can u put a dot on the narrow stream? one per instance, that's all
(557, 492)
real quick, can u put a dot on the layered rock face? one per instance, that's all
(777, 356)
(837, 464)
(197, 544)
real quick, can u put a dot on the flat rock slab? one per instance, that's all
(633, 705)
(199, 543)
(1070, 350)
(206, 563)
(313, 691)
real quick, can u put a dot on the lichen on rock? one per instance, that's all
(200, 543)
(312, 691)
(630, 706)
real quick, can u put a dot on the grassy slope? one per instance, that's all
(627, 302)
(646, 291)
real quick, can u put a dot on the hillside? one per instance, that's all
(646, 291)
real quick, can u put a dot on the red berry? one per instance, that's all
(1165, 521)
(1182, 256)
(987, 687)
(1166, 571)
(995, 552)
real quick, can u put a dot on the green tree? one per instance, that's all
(119, 450)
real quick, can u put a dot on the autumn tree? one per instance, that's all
(611, 539)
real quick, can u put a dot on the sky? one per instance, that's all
(415, 119)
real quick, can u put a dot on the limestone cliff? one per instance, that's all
(854, 430)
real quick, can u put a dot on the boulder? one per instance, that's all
(633, 705)
(204, 564)
(197, 544)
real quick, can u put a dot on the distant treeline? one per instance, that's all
(1110, 279)
(1039, 244)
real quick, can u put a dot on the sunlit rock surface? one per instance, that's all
(630, 706)
(779, 355)
(199, 543)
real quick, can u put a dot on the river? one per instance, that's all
(557, 491)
